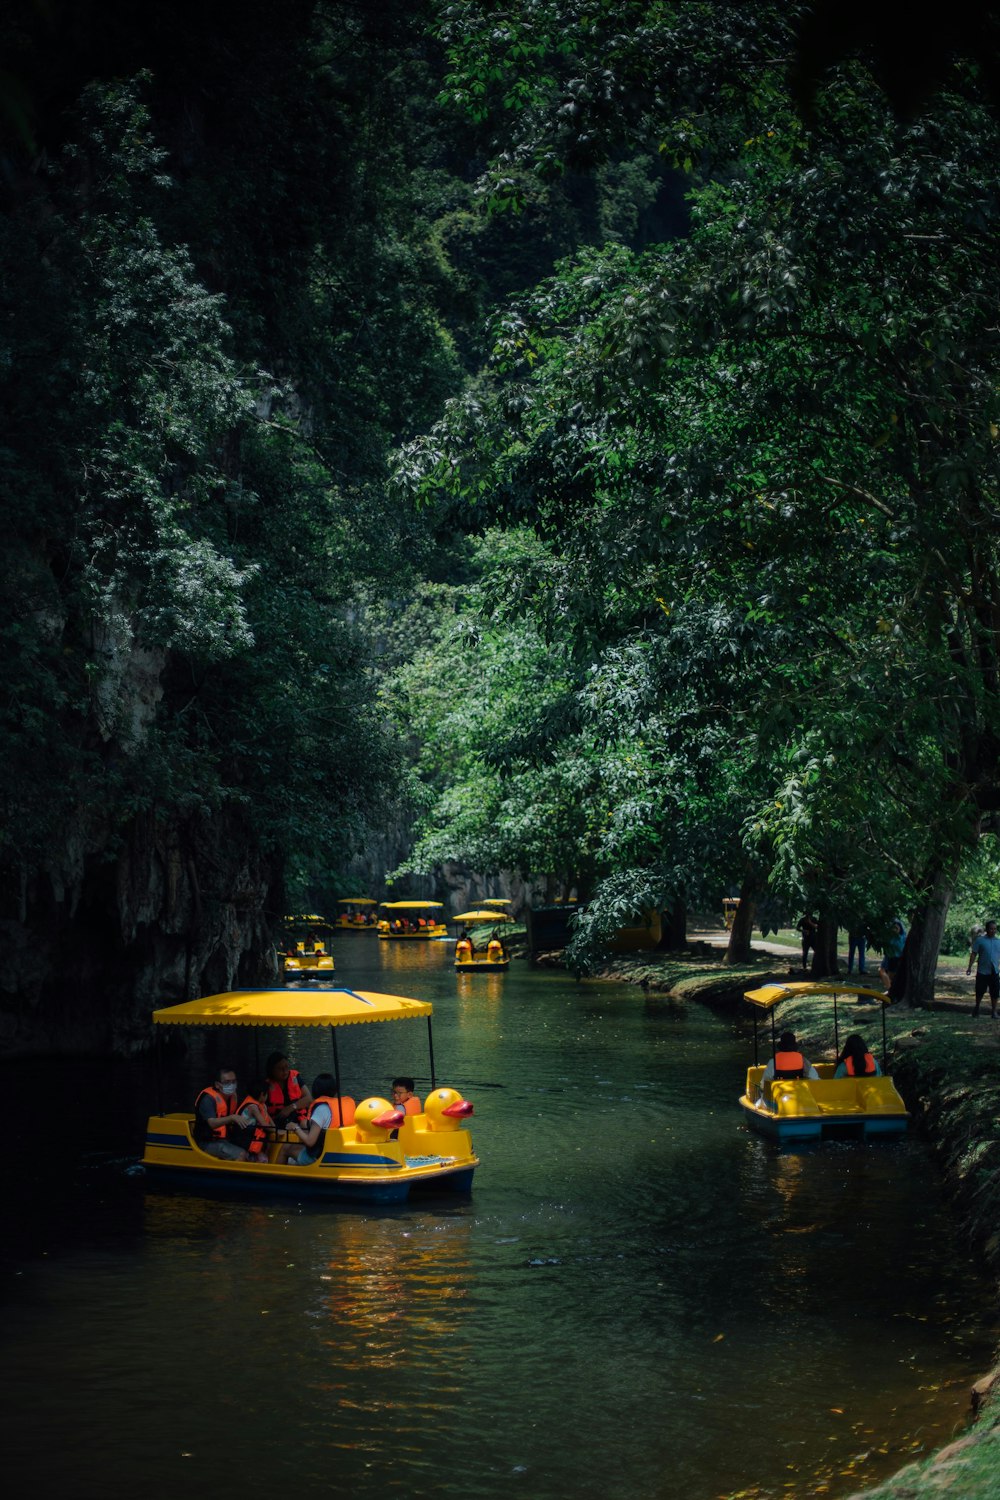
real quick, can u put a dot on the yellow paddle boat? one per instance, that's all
(493, 957)
(358, 914)
(412, 920)
(790, 1107)
(376, 1151)
(307, 948)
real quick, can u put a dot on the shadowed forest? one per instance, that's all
(552, 438)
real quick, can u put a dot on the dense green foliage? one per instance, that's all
(761, 462)
(677, 332)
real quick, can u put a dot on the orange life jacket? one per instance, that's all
(255, 1146)
(789, 1065)
(336, 1117)
(280, 1094)
(225, 1104)
(869, 1065)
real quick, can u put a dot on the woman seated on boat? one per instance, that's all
(787, 1062)
(287, 1095)
(307, 1149)
(856, 1061)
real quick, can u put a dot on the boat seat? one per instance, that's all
(834, 1096)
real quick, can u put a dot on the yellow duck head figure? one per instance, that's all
(375, 1118)
(446, 1110)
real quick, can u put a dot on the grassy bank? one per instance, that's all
(946, 1064)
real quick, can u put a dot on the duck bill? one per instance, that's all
(459, 1110)
(390, 1118)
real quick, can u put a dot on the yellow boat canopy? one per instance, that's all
(481, 916)
(410, 905)
(497, 901)
(770, 995)
(291, 1008)
(357, 901)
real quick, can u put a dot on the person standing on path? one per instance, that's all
(857, 943)
(808, 928)
(986, 951)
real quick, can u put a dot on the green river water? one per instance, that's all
(640, 1299)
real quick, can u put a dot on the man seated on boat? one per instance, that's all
(856, 1061)
(787, 1062)
(219, 1128)
(307, 1149)
(287, 1095)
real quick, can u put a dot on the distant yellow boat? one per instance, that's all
(494, 956)
(409, 920)
(307, 952)
(359, 916)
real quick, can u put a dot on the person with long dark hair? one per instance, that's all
(856, 1061)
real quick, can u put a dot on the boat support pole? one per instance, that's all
(836, 1033)
(158, 1064)
(884, 1047)
(756, 1059)
(430, 1048)
(336, 1058)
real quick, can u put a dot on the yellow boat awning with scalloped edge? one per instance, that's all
(292, 1008)
(770, 995)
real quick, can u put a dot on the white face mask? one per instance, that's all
(229, 1088)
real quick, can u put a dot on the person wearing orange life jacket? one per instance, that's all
(787, 1062)
(324, 1105)
(287, 1095)
(856, 1061)
(218, 1125)
(254, 1109)
(404, 1097)
(465, 948)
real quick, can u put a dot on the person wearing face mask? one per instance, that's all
(217, 1118)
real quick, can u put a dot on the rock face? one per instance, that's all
(459, 887)
(169, 910)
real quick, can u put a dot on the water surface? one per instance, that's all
(640, 1299)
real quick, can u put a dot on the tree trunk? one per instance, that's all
(673, 925)
(923, 943)
(739, 950)
(824, 959)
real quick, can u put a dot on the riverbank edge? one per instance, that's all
(946, 1064)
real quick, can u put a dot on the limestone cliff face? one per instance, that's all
(454, 883)
(108, 931)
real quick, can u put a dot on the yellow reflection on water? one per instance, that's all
(415, 956)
